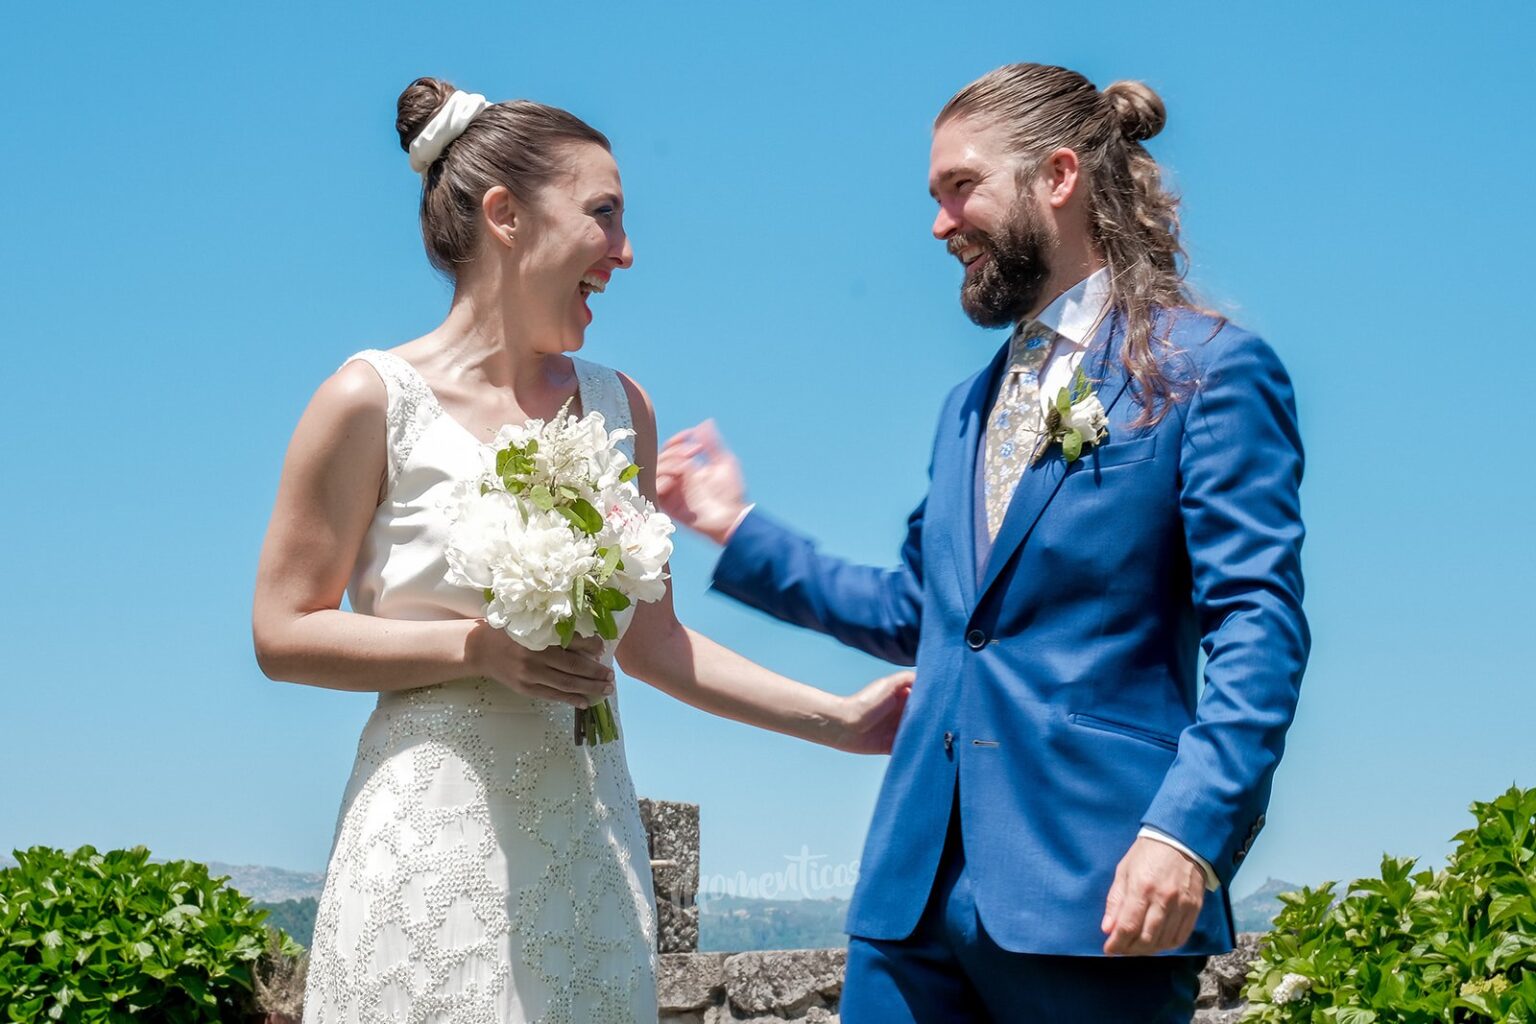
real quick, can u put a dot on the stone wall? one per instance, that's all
(806, 985)
(801, 984)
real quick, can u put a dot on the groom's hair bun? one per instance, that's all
(1139, 110)
(518, 145)
(420, 100)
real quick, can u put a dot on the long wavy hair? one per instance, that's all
(1133, 218)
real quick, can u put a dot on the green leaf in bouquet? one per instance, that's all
(606, 627)
(630, 472)
(612, 599)
(1071, 446)
(531, 447)
(541, 497)
(579, 594)
(611, 561)
(583, 516)
(567, 492)
(1063, 402)
(565, 629)
(488, 594)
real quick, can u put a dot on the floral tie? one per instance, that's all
(1017, 420)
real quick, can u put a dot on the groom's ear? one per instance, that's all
(502, 213)
(1059, 175)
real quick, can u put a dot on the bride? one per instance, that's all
(485, 868)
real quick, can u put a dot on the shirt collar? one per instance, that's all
(1076, 312)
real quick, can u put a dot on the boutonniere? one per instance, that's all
(1076, 420)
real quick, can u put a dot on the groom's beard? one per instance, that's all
(1006, 287)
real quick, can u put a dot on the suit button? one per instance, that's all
(976, 639)
(949, 742)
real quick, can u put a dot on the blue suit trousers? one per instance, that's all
(949, 971)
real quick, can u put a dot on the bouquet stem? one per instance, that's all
(595, 725)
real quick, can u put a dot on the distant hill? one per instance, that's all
(732, 924)
(726, 923)
(296, 917)
(1256, 911)
(270, 885)
(263, 884)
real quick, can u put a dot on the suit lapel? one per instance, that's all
(1040, 483)
(972, 423)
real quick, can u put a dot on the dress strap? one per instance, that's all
(602, 391)
(411, 405)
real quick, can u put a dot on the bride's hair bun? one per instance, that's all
(1137, 108)
(417, 104)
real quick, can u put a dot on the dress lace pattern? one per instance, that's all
(485, 868)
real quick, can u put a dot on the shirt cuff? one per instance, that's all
(736, 525)
(1212, 883)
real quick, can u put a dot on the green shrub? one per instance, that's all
(111, 937)
(1457, 945)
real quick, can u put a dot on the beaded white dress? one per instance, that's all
(485, 869)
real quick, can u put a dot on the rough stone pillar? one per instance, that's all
(673, 838)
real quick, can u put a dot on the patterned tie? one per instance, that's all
(1017, 419)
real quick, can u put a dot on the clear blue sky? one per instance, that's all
(205, 211)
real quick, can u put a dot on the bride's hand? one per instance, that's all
(571, 675)
(870, 717)
(699, 482)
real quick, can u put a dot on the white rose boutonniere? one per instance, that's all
(1076, 420)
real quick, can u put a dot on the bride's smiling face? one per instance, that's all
(568, 243)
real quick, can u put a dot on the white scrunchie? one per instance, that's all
(446, 125)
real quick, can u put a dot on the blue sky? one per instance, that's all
(206, 211)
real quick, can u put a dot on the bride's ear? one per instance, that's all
(502, 215)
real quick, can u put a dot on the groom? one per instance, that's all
(1063, 800)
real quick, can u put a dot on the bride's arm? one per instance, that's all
(660, 650)
(330, 486)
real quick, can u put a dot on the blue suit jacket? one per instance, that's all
(1056, 689)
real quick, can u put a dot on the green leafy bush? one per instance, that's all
(1457, 945)
(110, 937)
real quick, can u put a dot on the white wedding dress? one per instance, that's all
(485, 869)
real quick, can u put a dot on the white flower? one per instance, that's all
(528, 560)
(1292, 988)
(644, 537)
(539, 571)
(1088, 419)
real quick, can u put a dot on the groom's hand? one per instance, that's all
(699, 483)
(1153, 904)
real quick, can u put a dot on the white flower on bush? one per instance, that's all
(1292, 988)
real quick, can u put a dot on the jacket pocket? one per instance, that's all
(1133, 732)
(1122, 453)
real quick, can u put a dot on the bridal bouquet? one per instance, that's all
(558, 538)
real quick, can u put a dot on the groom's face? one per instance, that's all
(990, 220)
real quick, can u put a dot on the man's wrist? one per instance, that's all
(1212, 883)
(724, 536)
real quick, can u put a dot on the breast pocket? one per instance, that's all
(1109, 461)
(1121, 453)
